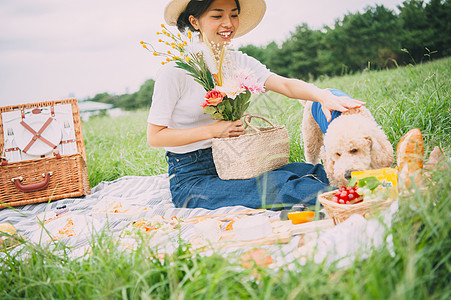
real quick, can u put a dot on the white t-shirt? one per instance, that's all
(177, 98)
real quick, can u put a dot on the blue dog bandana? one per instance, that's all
(318, 114)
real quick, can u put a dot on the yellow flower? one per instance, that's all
(187, 59)
(185, 43)
(178, 34)
(155, 53)
(163, 63)
(189, 34)
(168, 59)
(169, 52)
(142, 42)
(167, 43)
(144, 46)
(160, 40)
(162, 25)
(158, 32)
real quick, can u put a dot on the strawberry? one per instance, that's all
(347, 195)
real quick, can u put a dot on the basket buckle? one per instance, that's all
(20, 178)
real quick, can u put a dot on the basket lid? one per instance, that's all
(41, 132)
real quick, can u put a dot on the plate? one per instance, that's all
(23, 136)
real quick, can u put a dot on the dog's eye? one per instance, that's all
(338, 154)
(354, 150)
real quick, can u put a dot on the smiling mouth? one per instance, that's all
(226, 34)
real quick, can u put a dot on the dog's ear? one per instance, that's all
(329, 163)
(381, 151)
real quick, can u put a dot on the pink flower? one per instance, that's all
(213, 97)
(249, 82)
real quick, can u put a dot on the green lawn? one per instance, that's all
(400, 99)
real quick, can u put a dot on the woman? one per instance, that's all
(176, 120)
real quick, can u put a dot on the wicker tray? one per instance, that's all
(341, 212)
(46, 178)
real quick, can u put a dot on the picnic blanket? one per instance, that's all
(341, 242)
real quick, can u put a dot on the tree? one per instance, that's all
(415, 35)
(145, 93)
(256, 52)
(359, 40)
(438, 16)
(302, 50)
(141, 99)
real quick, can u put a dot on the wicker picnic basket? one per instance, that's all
(259, 150)
(59, 173)
(341, 212)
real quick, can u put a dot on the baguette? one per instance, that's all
(409, 156)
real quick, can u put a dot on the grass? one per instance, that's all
(400, 99)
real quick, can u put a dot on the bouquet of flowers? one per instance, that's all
(228, 90)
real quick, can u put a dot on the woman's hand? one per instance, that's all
(226, 129)
(298, 89)
(329, 102)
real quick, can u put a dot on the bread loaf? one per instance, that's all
(409, 157)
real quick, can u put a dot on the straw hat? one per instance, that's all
(251, 13)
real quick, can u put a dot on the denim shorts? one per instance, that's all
(194, 183)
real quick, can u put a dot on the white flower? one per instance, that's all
(209, 59)
(231, 88)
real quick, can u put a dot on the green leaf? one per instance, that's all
(370, 182)
(209, 110)
(228, 108)
(353, 181)
(217, 116)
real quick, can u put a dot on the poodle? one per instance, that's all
(353, 142)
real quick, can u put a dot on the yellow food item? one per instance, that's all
(8, 236)
(385, 175)
(299, 217)
(8, 228)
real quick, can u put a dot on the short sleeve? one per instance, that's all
(244, 61)
(169, 85)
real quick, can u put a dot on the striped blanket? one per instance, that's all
(152, 192)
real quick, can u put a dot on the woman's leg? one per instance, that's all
(195, 183)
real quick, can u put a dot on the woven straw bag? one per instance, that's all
(341, 212)
(258, 150)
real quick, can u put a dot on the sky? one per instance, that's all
(57, 49)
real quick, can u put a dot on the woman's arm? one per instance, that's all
(298, 89)
(162, 136)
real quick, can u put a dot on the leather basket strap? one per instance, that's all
(37, 135)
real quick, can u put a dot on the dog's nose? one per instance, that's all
(348, 175)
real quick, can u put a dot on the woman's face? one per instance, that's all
(219, 23)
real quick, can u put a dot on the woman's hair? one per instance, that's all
(196, 8)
